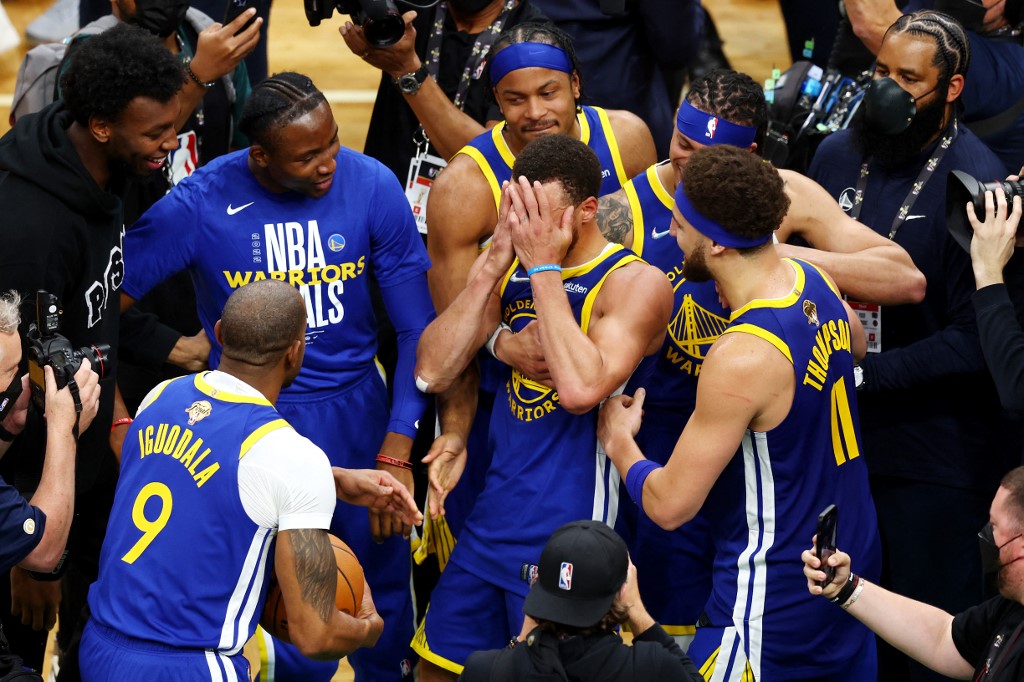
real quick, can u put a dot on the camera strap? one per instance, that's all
(915, 190)
(73, 387)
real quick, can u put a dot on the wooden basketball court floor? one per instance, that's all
(752, 30)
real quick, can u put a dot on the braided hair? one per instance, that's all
(276, 102)
(733, 96)
(539, 32)
(952, 50)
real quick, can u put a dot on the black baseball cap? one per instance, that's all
(581, 570)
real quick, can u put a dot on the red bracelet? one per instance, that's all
(123, 421)
(400, 463)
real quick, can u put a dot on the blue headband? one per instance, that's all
(526, 55)
(712, 230)
(707, 129)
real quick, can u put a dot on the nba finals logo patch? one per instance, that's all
(565, 576)
(198, 411)
(712, 125)
(811, 311)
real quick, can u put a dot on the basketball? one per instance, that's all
(348, 597)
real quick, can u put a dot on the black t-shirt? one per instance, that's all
(989, 637)
(393, 123)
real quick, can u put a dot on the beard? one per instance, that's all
(695, 266)
(893, 151)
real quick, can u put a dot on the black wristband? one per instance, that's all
(847, 590)
(6, 436)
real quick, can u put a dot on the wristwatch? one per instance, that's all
(410, 83)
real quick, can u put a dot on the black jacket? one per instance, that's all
(543, 658)
(61, 232)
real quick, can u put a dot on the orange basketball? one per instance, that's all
(348, 598)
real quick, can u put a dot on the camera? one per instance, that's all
(46, 346)
(962, 189)
(380, 19)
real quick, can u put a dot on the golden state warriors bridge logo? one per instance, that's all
(530, 400)
(691, 333)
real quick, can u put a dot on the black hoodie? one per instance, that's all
(61, 232)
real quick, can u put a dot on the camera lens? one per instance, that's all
(962, 189)
(384, 31)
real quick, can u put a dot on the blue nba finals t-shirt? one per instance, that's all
(227, 230)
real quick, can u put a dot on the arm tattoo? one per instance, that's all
(315, 569)
(614, 217)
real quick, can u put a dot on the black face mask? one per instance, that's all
(970, 13)
(159, 17)
(469, 7)
(990, 550)
(10, 396)
(890, 128)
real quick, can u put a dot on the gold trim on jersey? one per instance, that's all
(259, 433)
(828, 280)
(664, 195)
(680, 630)
(784, 302)
(203, 387)
(588, 303)
(637, 213)
(485, 168)
(436, 539)
(707, 668)
(613, 145)
(760, 333)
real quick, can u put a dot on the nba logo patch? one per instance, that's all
(565, 576)
(712, 125)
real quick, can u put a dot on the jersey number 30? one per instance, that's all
(150, 529)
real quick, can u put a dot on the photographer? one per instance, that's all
(33, 533)
(980, 643)
(999, 325)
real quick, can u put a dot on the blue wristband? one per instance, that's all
(636, 477)
(550, 267)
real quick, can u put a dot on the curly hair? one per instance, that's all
(538, 32)
(10, 312)
(952, 49)
(733, 96)
(561, 158)
(276, 102)
(111, 69)
(738, 190)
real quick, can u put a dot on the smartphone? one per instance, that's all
(236, 7)
(827, 521)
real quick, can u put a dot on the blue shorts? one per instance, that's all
(350, 426)
(719, 655)
(466, 614)
(106, 654)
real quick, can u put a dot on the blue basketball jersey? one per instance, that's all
(698, 316)
(494, 158)
(182, 563)
(546, 469)
(764, 507)
(227, 230)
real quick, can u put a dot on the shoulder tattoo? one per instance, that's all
(614, 217)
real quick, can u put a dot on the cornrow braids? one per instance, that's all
(733, 96)
(539, 32)
(275, 103)
(952, 50)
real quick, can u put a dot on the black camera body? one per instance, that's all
(380, 19)
(963, 189)
(47, 346)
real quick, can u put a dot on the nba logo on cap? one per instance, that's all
(565, 576)
(712, 124)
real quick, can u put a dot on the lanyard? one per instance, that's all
(915, 190)
(992, 666)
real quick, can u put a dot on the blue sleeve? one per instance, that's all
(951, 351)
(397, 251)
(411, 310)
(16, 542)
(161, 242)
